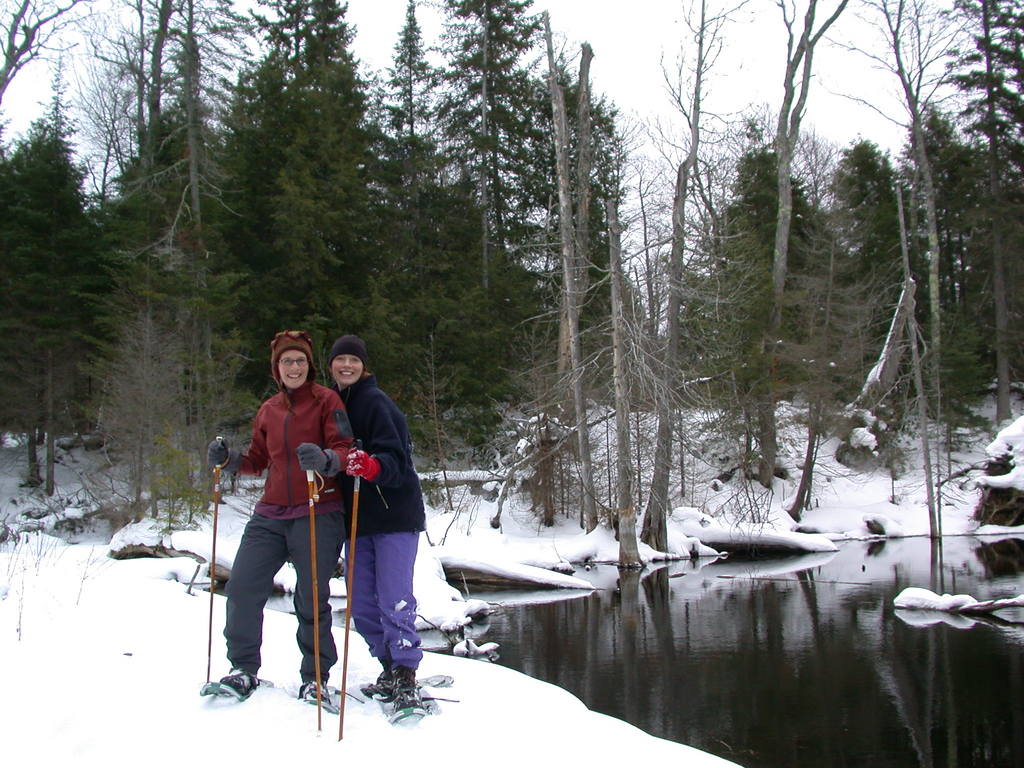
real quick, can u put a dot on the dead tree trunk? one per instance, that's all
(655, 532)
(584, 155)
(883, 375)
(918, 36)
(934, 523)
(800, 54)
(571, 288)
(629, 550)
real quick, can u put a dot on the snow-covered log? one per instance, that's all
(916, 598)
(493, 575)
(749, 537)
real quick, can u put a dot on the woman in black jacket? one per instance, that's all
(391, 518)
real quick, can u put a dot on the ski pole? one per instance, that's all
(213, 560)
(350, 568)
(314, 496)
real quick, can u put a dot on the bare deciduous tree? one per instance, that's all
(706, 28)
(31, 30)
(799, 62)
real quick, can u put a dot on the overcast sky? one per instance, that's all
(633, 43)
(636, 40)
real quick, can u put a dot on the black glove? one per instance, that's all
(216, 453)
(311, 457)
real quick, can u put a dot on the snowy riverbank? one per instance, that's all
(104, 658)
(103, 661)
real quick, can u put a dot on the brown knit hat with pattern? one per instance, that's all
(285, 340)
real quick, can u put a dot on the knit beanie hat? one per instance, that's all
(349, 345)
(285, 340)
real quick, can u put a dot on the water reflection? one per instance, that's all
(1002, 558)
(796, 662)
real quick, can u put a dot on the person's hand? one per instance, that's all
(216, 453)
(311, 457)
(361, 464)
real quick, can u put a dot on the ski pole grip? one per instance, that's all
(357, 478)
(314, 491)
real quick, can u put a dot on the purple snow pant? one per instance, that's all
(266, 544)
(382, 602)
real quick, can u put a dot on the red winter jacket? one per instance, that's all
(304, 415)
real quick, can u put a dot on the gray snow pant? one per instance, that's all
(266, 544)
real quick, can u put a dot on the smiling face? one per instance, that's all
(293, 368)
(346, 370)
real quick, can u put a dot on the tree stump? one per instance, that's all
(1000, 506)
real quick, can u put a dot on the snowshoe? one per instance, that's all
(329, 697)
(239, 685)
(407, 706)
(408, 716)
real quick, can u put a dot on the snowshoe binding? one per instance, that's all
(238, 684)
(384, 688)
(329, 697)
(407, 707)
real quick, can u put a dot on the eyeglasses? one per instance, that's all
(299, 362)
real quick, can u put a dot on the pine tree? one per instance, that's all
(865, 215)
(52, 272)
(992, 74)
(737, 293)
(959, 172)
(427, 307)
(491, 112)
(297, 151)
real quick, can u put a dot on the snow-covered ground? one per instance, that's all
(103, 658)
(103, 661)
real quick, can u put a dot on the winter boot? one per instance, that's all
(384, 688)
(407, 693)
(307, 693)
(241, 683)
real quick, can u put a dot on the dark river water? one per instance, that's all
(793, 662)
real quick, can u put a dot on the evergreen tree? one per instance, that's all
(865, 192)
(992, 75)
(427, 309)
(53, 273)
(866, 216)
(299, 227)
(958, 168)
(736, 290)
(491, 113)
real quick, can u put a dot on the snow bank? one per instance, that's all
(1009, 442)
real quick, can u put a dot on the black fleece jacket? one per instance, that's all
(393, 502)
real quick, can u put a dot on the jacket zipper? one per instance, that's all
(288, 456)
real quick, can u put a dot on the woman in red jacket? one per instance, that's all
(301, 412)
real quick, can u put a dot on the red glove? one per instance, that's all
(361, 464)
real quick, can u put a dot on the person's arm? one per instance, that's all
(384, 452)
(330, 460)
